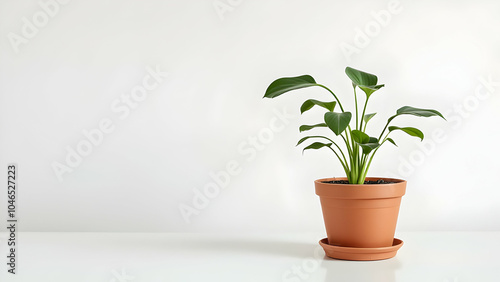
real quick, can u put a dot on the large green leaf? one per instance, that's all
(317, 145)
(360, 137)
(285, 84)
(308, 137)
(407, 110)
(337, 122)
(365, 81)
(309, 127)
(307, 105)
(409, 130)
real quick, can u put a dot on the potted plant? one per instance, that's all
(360, 212)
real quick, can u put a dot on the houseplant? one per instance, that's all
(360, 213)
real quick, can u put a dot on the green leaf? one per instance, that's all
(409, 130)
(360, 137)
(316, 145)
(368, 117)
(407, 110)
(337, 122)
(392, 141)
(308, 137)
(365, 81)
(285, 84)
(360, 77)
(307, 105)
(370, 89)
(309, 127)
(368, 147)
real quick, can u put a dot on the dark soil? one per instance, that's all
(380, 181)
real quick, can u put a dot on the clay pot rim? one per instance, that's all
(360, 191)
(397, 180)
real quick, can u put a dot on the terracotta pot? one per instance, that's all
(360, 216)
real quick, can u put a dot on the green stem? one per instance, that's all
(355, 165)
(349, 150)
(369, 163)
(355, 168)
(345, 160)
(364, 170)
(338, 101)
(373, 154)
(350, 153)
(356, 105)
(365, 158)
(343, 165)
(363, 115)
(387, 124)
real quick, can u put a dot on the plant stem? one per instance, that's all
(364, 170)
(349, 150)
(373, 154)
(345, 160)
(363, 115)
(350, 153)
(387, 124)
(338, 101)
(356, 105)
(343, 165)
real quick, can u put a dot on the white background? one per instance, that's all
(65, 78)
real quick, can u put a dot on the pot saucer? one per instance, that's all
(350, 253)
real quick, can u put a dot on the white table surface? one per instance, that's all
(138, 257)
